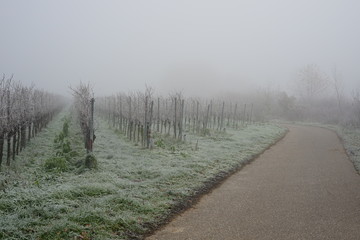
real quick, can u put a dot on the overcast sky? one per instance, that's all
(195, 46)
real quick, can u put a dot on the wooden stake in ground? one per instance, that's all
(9, 130)
(206, 119)
(244, 117)
(175, 122)
(197, 117)
(222, 117)
(1, 147)
(235, 116)
(251, 111)
(158, 116)
(181, 119)
(91, 126)
(149, 123)
(145, 123)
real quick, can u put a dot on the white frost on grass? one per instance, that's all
(131, 188)
(351, 140)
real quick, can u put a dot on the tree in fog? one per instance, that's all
(356, 107)
(338, 87)
(286, 104)
(312, 83)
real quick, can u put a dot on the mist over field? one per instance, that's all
(198, 47)
(117, 115)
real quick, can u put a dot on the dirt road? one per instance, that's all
(304, 187)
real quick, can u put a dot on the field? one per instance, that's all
(130, 192)
(117, 118)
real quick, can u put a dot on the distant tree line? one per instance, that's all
(316, 97)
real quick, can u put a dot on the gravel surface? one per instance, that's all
(304, 187)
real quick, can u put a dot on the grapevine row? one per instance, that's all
(24, 111)
(138, 115)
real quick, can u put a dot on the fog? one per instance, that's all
(198, 47)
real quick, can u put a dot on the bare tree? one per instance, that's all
(22, 108)
(356, 106)
(338, 87)
(84, 104)
(312, 82)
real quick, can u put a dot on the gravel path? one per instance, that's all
(304, 187)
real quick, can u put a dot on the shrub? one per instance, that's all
(66, 146)
(90, 161)
(160, 143)
(173, 149)
(56, 164)
(66, 127)
(205, 132)
(59, 138)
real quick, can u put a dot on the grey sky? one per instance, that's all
(229, 45)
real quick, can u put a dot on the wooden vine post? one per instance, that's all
(145, 131)
(251, 112)
(148, 126)
(9, 130)
(158, 116)
(244, 116)
(222, 117)
(175, 122)
(91, 126)
(181, 119)
(234, 120)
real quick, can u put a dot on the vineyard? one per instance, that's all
(141, 116)
(114, 166)
(117, 117)
(117, 166)
(24, 112)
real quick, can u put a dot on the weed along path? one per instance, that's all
(304, 187)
